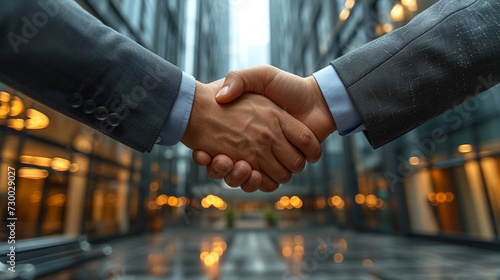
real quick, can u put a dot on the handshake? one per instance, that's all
(257, 127)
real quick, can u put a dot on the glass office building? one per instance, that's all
(440, 181)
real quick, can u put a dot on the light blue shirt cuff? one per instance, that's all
(344, 113)
(178, 119)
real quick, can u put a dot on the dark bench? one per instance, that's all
(53, 254)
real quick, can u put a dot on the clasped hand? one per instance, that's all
(259, 129)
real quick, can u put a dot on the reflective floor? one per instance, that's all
(316, 253)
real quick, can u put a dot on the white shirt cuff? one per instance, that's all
(178, 119)
(344, 113)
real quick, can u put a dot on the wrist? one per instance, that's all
(326, 119)
(188, 139)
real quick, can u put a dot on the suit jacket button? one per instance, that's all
(89, 106)
(101, 113)
(76, 100)
(114, 119)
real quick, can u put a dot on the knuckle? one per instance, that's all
(299, 164)
(265, 136)
(305, 137)
(285, 177)
(233, 74)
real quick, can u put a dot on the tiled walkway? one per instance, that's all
(321, 253)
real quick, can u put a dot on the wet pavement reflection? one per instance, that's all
(314, 253)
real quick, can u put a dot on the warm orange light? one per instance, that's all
(60, 164)
(449, 197)
(172, 201)
(284, 200)
(398, 13)
(349, 4)
(440, 197)
(210, 199)
(380, 203)
(161, 200)
(336, 200)
(338, 258)
(410, 5)
(204, 255)
(320, 203)
(287, 251)
(218, 251)
(367, 262)
(153, 186)
(299, 239)
(4, 97)
(432, 197)
(218, 202)
(204, 203)
(371, 200)
(414, 160)
(387, 27)
(37, 120)
(360, 198)
(74, 167)
(4, 110)
(223, 207)
(33, 173)
(299, 249)
(215, 256)
(56, 200)
(343, 244)
(42, 161)
(279, 206)
(465, 148)
(341, 205)
(17, 124)
(223, 245)
(344, 14)
(152, 205)
(16, 106)
(295, 201)
(209, 260)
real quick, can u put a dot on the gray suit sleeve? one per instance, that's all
(435, 62)
(58, 54)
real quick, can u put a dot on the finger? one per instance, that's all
(288, 155)
(220, 166)
(301, 137)
(268, 185)
(253, 183)
(240, 173)
(247, 80)
(275, 170)
(201, 158)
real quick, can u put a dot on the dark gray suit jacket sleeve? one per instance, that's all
(62, 56)
(437, 61)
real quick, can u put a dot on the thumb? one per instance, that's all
(233, 87)
(254, 80)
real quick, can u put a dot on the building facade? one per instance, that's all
(441, 179)
(73, 180)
